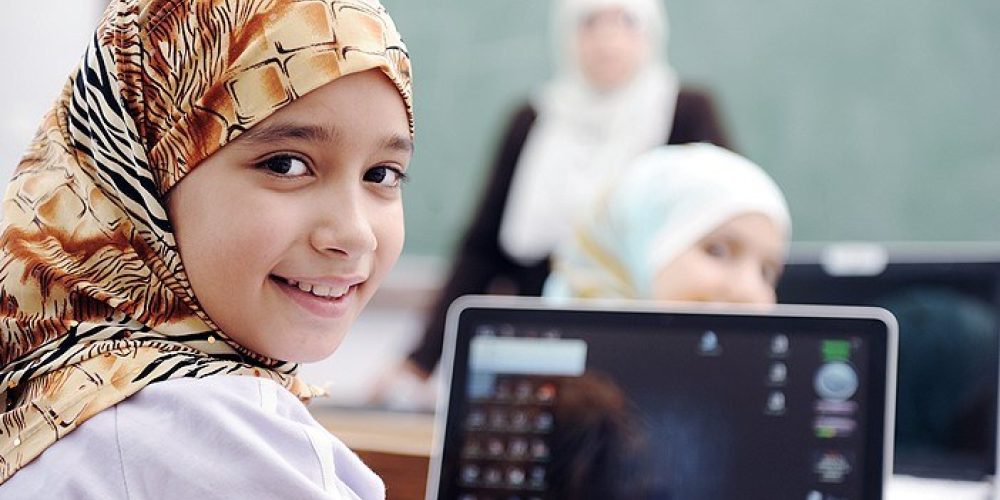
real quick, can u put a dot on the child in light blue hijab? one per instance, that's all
(682, 223)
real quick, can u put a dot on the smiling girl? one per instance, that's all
(213, 199)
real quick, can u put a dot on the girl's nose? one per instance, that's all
(344, 228)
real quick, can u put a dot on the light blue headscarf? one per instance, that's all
(662, 204)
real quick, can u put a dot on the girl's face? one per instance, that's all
(739, 262)
(611, 47)
(287, 231)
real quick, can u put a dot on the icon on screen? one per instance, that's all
(827, 427)
(836, 381)
(544, 421)
(518, 448)
(519, 420)
(476, 419)
(502, 390)
(836, 350)
(539, 450)
(524, 391)
(472, 449)
(470, 474)
(516, 477)
(498, 420)
(495, 447)
(546, 393)
(537, 477)
(492, 476)
(778, 373)
(776, 403)
(779, 345)
(709, 344)
(832, 467)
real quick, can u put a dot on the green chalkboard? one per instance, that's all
(881, 120)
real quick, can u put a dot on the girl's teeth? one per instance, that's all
(318, 290)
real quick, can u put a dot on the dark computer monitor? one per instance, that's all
(644, 402)
(947, 301)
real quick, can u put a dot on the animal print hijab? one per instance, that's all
(94, 302)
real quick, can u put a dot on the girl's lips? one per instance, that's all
(324, 307)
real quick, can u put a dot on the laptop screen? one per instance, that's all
(947, 303)
(584, 403)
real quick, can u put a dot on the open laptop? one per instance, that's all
(946, 298)
(587, 400)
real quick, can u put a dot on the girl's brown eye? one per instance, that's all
(285, 166)
(385, 176)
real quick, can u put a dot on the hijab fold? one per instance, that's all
(94, 300)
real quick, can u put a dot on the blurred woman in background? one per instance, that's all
(613, 97)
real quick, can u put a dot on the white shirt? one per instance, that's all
(216, 437)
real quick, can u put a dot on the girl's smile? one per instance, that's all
(324, 297)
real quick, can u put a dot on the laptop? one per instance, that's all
(639, 401)
(946, 298)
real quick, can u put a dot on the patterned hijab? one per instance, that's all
(94, 301)
(661, 205)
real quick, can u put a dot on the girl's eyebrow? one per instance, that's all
(284, 131)
(399, 143)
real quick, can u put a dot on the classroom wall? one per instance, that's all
(881, 120)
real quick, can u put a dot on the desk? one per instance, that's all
(397, 446)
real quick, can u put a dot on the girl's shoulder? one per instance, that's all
(216, 399)
(215, 437)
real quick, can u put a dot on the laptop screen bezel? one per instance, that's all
(879, 328)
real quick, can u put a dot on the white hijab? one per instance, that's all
(583, 134)
(660, 206)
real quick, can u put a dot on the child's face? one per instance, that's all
(610, 47)
(287, 231)
(739, 262)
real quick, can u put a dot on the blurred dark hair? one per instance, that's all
(597, 448)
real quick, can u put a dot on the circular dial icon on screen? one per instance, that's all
(836, 381)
